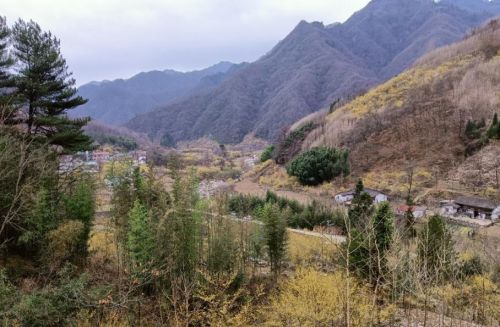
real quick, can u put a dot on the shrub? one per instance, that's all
(291, 144)
(297, 215)
(313, 298)
(318, 165)
(63, 243)
(267, 154)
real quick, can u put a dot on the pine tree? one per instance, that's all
(45, 89)
(383, 231)
(361, 208)
(6, 61)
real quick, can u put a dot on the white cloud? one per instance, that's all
(105, 39)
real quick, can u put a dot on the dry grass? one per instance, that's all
(417, 119)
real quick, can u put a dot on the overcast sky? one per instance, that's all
(107, 39)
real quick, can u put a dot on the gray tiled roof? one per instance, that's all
(476, 202)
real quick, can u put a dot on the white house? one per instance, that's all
(346, 197)
(448, 207)
(418, 211)
(495, 215)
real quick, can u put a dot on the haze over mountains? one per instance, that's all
(311, 68)
(116, 102)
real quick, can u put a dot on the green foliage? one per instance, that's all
(54, 305)
(472, 130)
(361, 208)
(222, 250)
(45, 88)
(64, 243)
(140, 238)
(383, 226)
(297, 215)
(180, 234)
(319, 165)
(267, 154)
(6, 62)
(291, 143)
(383, 232)
(167, 140)
(80, 206)
(435, 250)
(123, 142)
(494, 130)
(42, 219)
(275, 234)
(358, 252)
(472, 266)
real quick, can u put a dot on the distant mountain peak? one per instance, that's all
(315, 65)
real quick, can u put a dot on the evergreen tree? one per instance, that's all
(45, 89)
(140, 239)
(494, 130)
(80, 205)
(359, 188)
(6, 61)
(435, 250)
(361, 208)
(383, 231)
(275, 234)
(471, 130)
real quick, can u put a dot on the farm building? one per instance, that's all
(475, 207)
(418, 211)
(346, 197)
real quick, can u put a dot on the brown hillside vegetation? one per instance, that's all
(418, 118)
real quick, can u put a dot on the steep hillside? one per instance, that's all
(313, 66)
(417, 120)
(116, 102)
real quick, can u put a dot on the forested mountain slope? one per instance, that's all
(433, 118)
(115, 102)
(315, 65)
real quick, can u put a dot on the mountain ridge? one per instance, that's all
(312, 67)
(116, 101)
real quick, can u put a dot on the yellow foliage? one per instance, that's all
(309, 250)
(393, 93)
(207, 172)
(62, 242)
(397, 181)
(277, 178)
(114, 318)
(312, 298)
(478, 299)
(102, 244)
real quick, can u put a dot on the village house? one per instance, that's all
(475, 207)
(418, 211)
(100, 156)
(140, 156)
(471, 207)
(345, 198)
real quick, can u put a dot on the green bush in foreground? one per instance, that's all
(318, 165)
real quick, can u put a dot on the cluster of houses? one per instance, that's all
(471, 208)
(91, 161)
